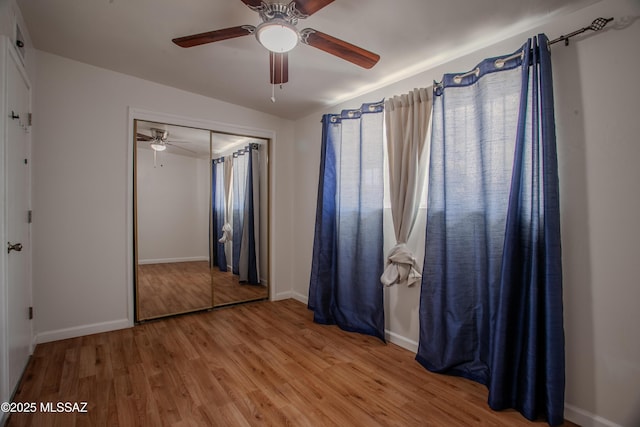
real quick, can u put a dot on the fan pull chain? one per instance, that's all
(155, 153)
(274, 76)
(281, 72)
(273, 85)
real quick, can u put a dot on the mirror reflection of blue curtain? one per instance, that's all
(217, 211)
(348, 257)
(249, 266)
(491, 297)
(239, 189)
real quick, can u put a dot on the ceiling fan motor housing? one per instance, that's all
(278, 32)
(286, 12)
(159, 134)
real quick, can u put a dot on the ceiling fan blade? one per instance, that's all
(278, 68)
(143, 137)
(213, 36)
(339, 48)
(252, 3)
(182, 148)
(309, 7)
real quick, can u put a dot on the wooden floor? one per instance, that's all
(227, 289)
(170, 288)
(262, 364)
(174, 287)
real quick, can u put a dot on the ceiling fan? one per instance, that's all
(278, 33)
(159, 140)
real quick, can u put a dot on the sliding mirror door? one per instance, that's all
(240, 206)
(172, 194)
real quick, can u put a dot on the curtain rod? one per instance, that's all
(597, 25)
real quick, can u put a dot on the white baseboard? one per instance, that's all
(300, 297)
(390, 336)
(586, 419)
(401, 341)
(78, 331)
(282, 295)
(170, 260)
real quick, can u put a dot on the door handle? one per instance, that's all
(14, 247)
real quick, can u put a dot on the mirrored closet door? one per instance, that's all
(201, 219)
(172, 175)
(240, 218)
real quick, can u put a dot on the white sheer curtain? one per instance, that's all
(228, 178)
(407, 120)
(227, 228)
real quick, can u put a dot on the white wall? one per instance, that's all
(82, 163)
(172, 207)
(597, 97)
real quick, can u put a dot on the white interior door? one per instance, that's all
(17, 225)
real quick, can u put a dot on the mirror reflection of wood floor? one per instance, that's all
(179, 287)
(174, 287)
(227, 289)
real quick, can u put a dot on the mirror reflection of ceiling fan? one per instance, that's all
(159, 140)
(278, 33)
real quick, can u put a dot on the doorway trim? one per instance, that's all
(9, 54)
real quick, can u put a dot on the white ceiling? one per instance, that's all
(134, 37)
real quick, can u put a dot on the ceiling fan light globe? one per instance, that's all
(277, 36)
(158, 147)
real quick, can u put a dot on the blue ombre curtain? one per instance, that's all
(491, 297)
(217, 211)
(239, 189)
(348, 254)
(249, 270)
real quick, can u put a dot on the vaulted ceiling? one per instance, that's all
(134, 37)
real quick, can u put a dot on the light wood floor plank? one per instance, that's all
(260, 364)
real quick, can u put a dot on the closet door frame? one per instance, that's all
(153, 116)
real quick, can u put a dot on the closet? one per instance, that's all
(200, 219)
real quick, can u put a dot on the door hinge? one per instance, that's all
(29, 217)
(29, 119)
(30, 313)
